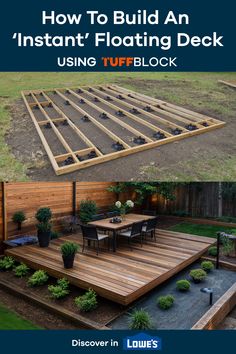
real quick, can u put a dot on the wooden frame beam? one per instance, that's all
(173, 110)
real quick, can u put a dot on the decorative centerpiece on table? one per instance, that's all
(124, 207)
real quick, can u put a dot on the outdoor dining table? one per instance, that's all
(127, 221)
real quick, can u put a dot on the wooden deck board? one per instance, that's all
(123, 276)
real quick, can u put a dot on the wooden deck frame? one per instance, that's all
(228, 83)
(138, 101)
(123, 276)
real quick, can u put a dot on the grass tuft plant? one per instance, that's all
(140, 320)
(212, 251)
(165, 302)
(198, 275)
(207, 266)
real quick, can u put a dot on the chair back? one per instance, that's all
(151, 224)
(111, 214)
(149, 212)
(136, 228)
(89, 232)
(98, 217)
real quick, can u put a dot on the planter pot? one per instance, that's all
(68, 261)
(44, 238)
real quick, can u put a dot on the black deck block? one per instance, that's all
(159, 135)
(47, 126)
(118, 146)
(79, 91)
(55, 92)
(176, 131)
(101, 89)
(65, 122)
(103, 115)
(120, 97)
(134, 111)
(41, 94)
(92, 155)
(68, 161)
(205, 124)
(96, 99)
(148, 109)
(50, 105)
(90, 90)
(81, 101)
(108, 98)
(139, 140)
(85, 119)
(80, 158)
(67, 91)
(67, 103)
(36, 107)
(130, 95)
(120, 113)
(191, 127)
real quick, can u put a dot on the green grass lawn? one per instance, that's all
(194, 90)
(10, 320)
(199, 229)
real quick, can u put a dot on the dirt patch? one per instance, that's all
(105, 311)
(195, 158)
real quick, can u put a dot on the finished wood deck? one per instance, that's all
(122, 276)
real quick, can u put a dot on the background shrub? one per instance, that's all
(183, 285)
(165, 302)
(140, 320)
(87, 209)
(87, 302)
(39, 277)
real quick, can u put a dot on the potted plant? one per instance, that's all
(68, 250)
(18, 218)
(124, 207)
(44, 226)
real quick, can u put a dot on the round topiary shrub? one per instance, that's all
(183, 285)
(212, 251)
(165, 302)
(207, 266)
(198, 275)
(140, 320)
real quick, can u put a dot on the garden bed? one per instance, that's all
(103, 314)
(188, 307)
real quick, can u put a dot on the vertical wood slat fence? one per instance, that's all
(195, 199)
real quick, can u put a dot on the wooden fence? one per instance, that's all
(29, 196)
(195, 199)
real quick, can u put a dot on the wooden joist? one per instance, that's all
(136, 123)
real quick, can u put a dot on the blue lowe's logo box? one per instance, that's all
(142, 341)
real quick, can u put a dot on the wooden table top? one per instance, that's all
(129, 220)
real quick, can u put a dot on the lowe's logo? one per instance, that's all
(142, 341)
